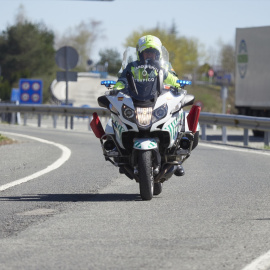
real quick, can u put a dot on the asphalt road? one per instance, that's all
(84, 215)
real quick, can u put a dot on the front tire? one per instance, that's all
(145, 174)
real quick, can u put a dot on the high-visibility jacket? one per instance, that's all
(142, 73)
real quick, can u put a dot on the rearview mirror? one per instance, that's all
(188, 100)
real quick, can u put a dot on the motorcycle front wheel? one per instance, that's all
(145, 175)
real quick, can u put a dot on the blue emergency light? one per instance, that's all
(108, 83)
(184, 82)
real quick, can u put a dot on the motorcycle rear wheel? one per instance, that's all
(145, 175)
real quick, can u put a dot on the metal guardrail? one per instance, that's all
(239, 121)
(54, 110)
(224, 120)
(51, 110)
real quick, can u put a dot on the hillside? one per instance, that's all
(209, 95)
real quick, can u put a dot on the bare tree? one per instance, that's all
(228, 58)
(82, 37)
(21, 15)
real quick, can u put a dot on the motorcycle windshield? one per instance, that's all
(130, 55)
(146, 85)
(145, 90)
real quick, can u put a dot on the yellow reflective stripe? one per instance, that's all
(119, 85)
(171, 80)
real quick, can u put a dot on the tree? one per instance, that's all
(26, 51)
(113, 60)
(82, 38)
(228, 58)
(203, 69)
(183, 51)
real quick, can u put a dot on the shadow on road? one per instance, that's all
(110, 197)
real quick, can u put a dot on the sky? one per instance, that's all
(210, 22)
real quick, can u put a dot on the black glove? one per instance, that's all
(154, 63)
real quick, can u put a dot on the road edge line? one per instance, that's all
(261, 263)
(235, 148)
(66, 153)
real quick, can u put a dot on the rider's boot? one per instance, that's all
(179, 171)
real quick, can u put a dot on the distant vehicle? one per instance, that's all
(252, 81)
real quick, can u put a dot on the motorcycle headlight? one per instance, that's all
(160, 113)
(144, 116)
(128, 113)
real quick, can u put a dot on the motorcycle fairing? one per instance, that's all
(119, 127)
(118, 101)
(145, 143)
(109, 129)
(172, 102)
(173, 126)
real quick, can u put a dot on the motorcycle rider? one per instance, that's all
(149, 52)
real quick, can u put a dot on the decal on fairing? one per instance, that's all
(145, 144)
(173, 127)
(137, 145)
(152, 145)
(118, 128)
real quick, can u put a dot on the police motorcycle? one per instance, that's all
(148, 134)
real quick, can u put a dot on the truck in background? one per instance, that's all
(252, 73)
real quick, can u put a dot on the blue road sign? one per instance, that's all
(30, 91)
(15, 95)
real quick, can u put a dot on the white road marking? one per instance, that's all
(261, 263)
(66, 152)
(231, 148)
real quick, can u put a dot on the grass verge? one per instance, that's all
(5, 140)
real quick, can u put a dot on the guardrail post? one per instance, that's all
(245, 137)
(66, 122)
(13, 118)
(71, 122)
(39, 120)
(24, 119)
(224, 135)
(266, 138)
(54, 120)
(203, 126)
(18, 115)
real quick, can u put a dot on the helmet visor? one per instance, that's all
(151, 50)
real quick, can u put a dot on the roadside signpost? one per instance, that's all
(66, 58)
(211, 75)
(15, 95)
(224, 96)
